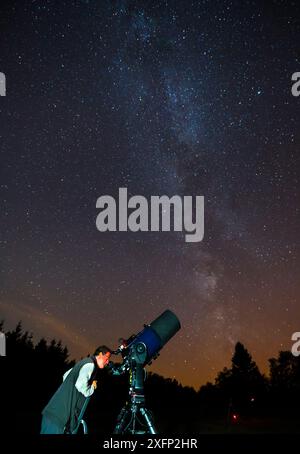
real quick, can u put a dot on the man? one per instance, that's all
(61, 414)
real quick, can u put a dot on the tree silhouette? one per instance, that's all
(30, 374)
(243, 383)
(285, 371)
(285, 383)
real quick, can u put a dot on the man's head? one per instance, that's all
(102, 355)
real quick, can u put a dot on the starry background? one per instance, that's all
(161, 97)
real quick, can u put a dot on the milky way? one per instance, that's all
(160, 97)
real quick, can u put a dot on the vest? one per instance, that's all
(65, 405)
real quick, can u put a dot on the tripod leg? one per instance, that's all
(146, 414)
(121, 420)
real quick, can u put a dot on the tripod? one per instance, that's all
(134, 418)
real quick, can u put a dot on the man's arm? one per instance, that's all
(82, 382)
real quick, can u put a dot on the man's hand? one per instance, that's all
(94, 384)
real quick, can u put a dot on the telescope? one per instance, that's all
(148, 342)
(137, 352)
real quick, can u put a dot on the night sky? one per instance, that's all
(160, 97)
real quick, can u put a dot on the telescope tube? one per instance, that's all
(157, 334)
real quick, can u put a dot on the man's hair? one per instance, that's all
(102, 349)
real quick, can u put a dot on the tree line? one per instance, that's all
(240, 395)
